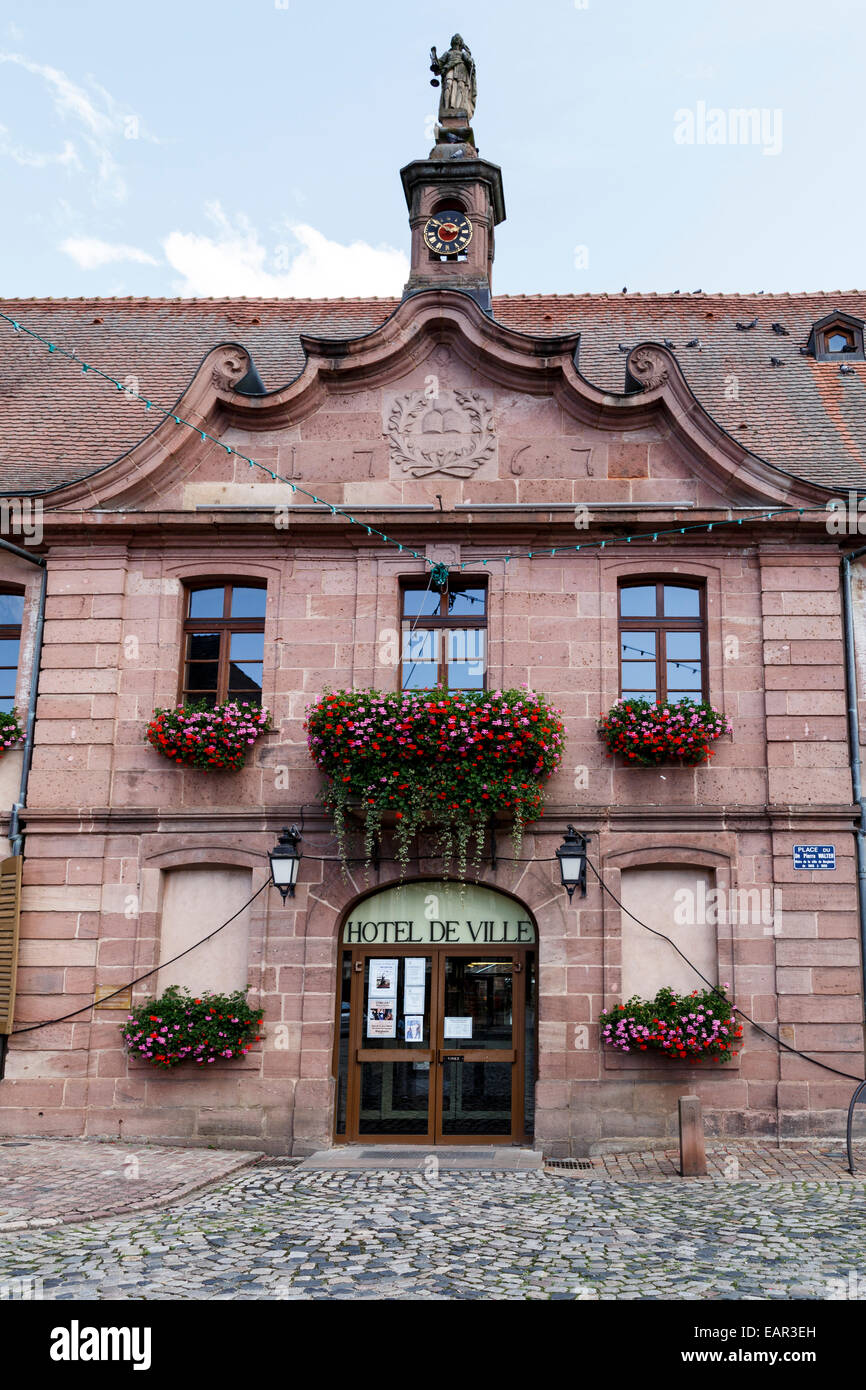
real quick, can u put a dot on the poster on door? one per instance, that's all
(414, 1029)
(382, 999)
(383, 979)
(382, 1019)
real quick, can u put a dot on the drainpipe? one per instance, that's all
(16, 838)
(854, 741)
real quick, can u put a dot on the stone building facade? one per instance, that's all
(471, 438)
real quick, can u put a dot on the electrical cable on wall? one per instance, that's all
(32, 1028)
(779, 1041)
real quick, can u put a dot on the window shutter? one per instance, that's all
(10, 907)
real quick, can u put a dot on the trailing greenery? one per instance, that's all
(649, 734)
(212, 738)
(434, 759)
(177, 1028)
(680, 1027)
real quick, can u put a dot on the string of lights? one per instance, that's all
(87, 368)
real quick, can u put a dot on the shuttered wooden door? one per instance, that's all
(10, 904)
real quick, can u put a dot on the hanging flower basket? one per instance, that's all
(11, 732)
(434, 759)
(648, 734)
(180, 1028)
(212, 739)
(683, 1028)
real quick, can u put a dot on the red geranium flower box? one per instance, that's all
(448, 760)
(648, 734)
(210, 738)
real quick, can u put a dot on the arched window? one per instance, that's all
(662, 640)
(223, 643)
(195, 899)
(680, 902)
(11, 614)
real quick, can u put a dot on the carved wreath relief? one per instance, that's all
(451, 433)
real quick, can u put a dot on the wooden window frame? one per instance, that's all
(224, 627)
(442, 621)
(847, 333)
(661, 626)
(11, 632)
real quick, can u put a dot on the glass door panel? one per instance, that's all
(476, 1051)
(395, 1098)
(478, 1003)
(476, 1096)
(394, 1054)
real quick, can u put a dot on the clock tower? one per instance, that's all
(454, 197)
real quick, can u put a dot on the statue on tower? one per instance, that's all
(456, 71)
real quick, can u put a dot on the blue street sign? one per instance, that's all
(814, 856)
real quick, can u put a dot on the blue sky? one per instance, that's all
(253, 147)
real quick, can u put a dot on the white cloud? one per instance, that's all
(35, 159)
(98, 121)
(90, 252)
(235, 262)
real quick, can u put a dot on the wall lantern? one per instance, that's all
(285, 860)
(572, 862)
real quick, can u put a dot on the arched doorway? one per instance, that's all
(436, 1017)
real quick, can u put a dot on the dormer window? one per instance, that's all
(838, 337)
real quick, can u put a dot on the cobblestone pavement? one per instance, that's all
(45, 1182)
(741, 1161)
(278, 1232)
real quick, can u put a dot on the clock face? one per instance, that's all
(448, 233)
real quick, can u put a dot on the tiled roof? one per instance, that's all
(57, 424)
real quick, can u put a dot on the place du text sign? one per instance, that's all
(359, 931)
(814, 856)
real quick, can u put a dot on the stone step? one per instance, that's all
(505, 1157)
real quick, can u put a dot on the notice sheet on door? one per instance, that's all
(414, 989)
(382, 999)
(414, 998)
(456, 1027)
